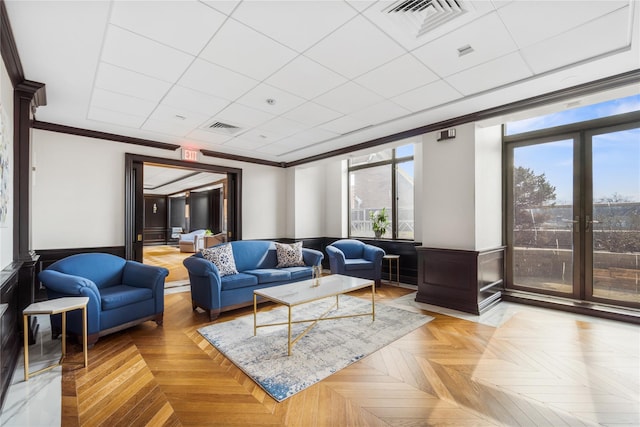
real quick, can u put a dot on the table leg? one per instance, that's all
(64, 333)
(289, 339)
(398, 271)
(255, 309)
(84, 336)
(373, 302)
(26, 347)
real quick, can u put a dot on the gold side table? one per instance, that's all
(55, 306)
(395, 258)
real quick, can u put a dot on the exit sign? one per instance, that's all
(190, 155)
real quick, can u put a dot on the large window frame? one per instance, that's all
(394, 162)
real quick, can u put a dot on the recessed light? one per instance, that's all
(465, 50)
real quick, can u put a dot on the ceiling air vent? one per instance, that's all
(224, 128)
(426, 15)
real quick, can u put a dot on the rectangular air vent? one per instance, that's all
(224, 128)
(425, 15)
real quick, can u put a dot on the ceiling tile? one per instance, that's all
(355, 48)
(348, 98)
(289, 78)
(208, 136)
(136, 53)
(192, 100)
(224, 6)
(246, 51)
(167, 128)
(116, 79)
(380, 113)
(178, 116)
(343, 125)
(312, 114)
(258, 96)
(598, 37)
(215, 80)
(240, 115)
(261, 136)
(184, 25)
(242, 143)
(297, 24)
(125, 104)
(532, 21)
(490, 75)
(487, 36)
(398, 76)
(114, 117)
(283, 126)
(427, 96)
(274, 149)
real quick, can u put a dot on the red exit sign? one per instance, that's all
(190, 155)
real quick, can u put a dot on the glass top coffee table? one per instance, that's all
(298, 293)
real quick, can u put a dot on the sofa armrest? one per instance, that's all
(336, 259)
(373, 253)
(200, 267)
(311, 256)
(205, 283)
(146, 276)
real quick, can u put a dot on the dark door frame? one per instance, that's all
(134, 196)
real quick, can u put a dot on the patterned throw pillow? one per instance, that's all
(289, 255)
(222, 257)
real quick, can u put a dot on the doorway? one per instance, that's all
(135, 201)
(573, 217)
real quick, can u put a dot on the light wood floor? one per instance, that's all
(168, 257)
(534, 370)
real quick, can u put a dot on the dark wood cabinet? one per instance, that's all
(9, 332)
(469, 281)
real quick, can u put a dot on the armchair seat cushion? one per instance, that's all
(270, 275)
(357, 264)
(236, 281)
(299, 273)
(121, 295)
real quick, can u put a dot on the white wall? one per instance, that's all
(78, 192)
(309, 201)
(6, 103)
(448, 194)
(488, 184)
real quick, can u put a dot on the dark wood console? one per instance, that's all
(9, 333)
(469, 281)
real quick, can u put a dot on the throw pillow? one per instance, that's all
(222, 257)
(289, 255)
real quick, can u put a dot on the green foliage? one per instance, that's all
(530, 191)
(380, 221)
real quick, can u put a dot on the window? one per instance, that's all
(382, 180)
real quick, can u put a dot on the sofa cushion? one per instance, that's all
(236, 281)
(222, 257)
(269, 275)
(300, 273)
(121, 295)
(356, 264)
(289, 255)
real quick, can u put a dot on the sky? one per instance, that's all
(616, 156)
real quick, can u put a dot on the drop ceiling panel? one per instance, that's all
(184, 25)
(116, 79)
(283, 126)
(133, 52)
(398, 76)
(223, 6)
(211, 138)
(215, 80)
(194, 101)
(344, 124)
(321, 78)
(532, 21)
(595, 38)
(258, 98)
(178, 117)
(168, 128)
(114, 117)
(490, 75)
(242, 143)
(379, 113)
(427, 96)
(312, 114)
(243, 116)
(297, 24)
(348, 98)
(487, 36)
(125, 104)
(241, 49)
(355, 48)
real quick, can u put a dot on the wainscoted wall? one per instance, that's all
(9, 315)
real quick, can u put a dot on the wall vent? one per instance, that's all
(425, 15)
(224, 128)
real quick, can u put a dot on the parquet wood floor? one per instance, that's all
(168, 257)
(534, 370)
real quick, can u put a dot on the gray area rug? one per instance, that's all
(327, 348)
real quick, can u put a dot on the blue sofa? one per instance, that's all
(256, 262)
(121, 293)
(354, 258)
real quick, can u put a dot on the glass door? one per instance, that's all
(544, 222)
(613, 216)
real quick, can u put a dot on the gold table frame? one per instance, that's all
(55, 306)
(281, 298)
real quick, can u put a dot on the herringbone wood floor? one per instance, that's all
(535, 370)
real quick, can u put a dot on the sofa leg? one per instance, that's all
(378, 283)
(159, 319)
(213, 314)
(193, 305)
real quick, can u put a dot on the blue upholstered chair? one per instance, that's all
(355, 258)
(121, 293)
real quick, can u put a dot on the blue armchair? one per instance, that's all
(121, 293)
(355, 258)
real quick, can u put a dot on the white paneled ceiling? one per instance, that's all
(163, 180)
(301, 78)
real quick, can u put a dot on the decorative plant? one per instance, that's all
(208, 232)
(380, 222)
